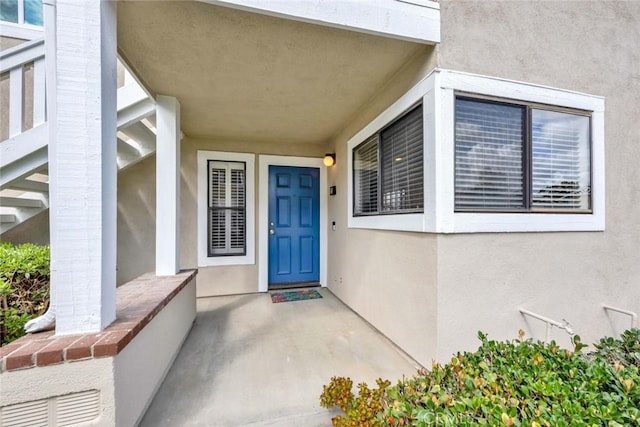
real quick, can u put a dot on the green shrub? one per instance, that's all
(24, 287)
(515, 383)
(364, 410)
(625, 351)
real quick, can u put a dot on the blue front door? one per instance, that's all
(294, 224)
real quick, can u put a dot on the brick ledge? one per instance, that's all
(137, 302)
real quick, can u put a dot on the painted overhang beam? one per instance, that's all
(410, 20)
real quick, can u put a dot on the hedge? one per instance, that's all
(24, 287)
(510, 383)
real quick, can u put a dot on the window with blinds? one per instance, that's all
(227, 205)
(561, 160)
(519, 158)
(489, 155)
(388, 169)
(365, 171)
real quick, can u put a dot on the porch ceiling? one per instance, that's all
(243, 76)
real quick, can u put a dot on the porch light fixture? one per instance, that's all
(329, 159)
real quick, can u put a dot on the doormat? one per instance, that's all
(295, 295)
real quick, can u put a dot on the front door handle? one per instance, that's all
(272, 231)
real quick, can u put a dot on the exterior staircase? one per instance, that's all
(24, 135)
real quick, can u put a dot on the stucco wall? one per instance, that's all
(387, 277)
(26, 385)
(137, 220)
(224, 280)
(141, 367)
(590, 47)
(34, 230)
(7, 43)
(136, 216)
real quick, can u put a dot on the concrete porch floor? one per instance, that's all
(249, 362)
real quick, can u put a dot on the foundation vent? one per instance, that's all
(68, 410)
(28, 414)
(78, 408)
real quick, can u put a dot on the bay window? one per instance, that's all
(485, 155)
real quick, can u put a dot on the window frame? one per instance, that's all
(527, 152)
(446, 220)
(21, 29)
(379, 168)
(204, 258)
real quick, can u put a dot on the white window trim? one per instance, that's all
(401, 222)
(438, 96)
(203, 259)
(448, 221)
(263, 221)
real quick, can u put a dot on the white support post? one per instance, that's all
(167, 185)
(82, 165)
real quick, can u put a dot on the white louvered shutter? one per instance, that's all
(227, 219)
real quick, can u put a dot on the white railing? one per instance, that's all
(27, 108)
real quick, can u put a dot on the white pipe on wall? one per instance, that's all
(632, 314)
(566, 326)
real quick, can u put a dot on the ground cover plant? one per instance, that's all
(24, 287)
(511, 383)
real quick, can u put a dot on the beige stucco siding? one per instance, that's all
(136, 220)
(482, 278)
(224, 280)
(388, 277)
(136, 216)
(7, 43)
(35, 230)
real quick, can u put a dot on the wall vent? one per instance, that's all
(35, 413)
(68, 410)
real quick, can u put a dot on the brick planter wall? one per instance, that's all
(137, 302)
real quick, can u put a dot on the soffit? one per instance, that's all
(244, 76)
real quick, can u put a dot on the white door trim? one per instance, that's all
(264, 161)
